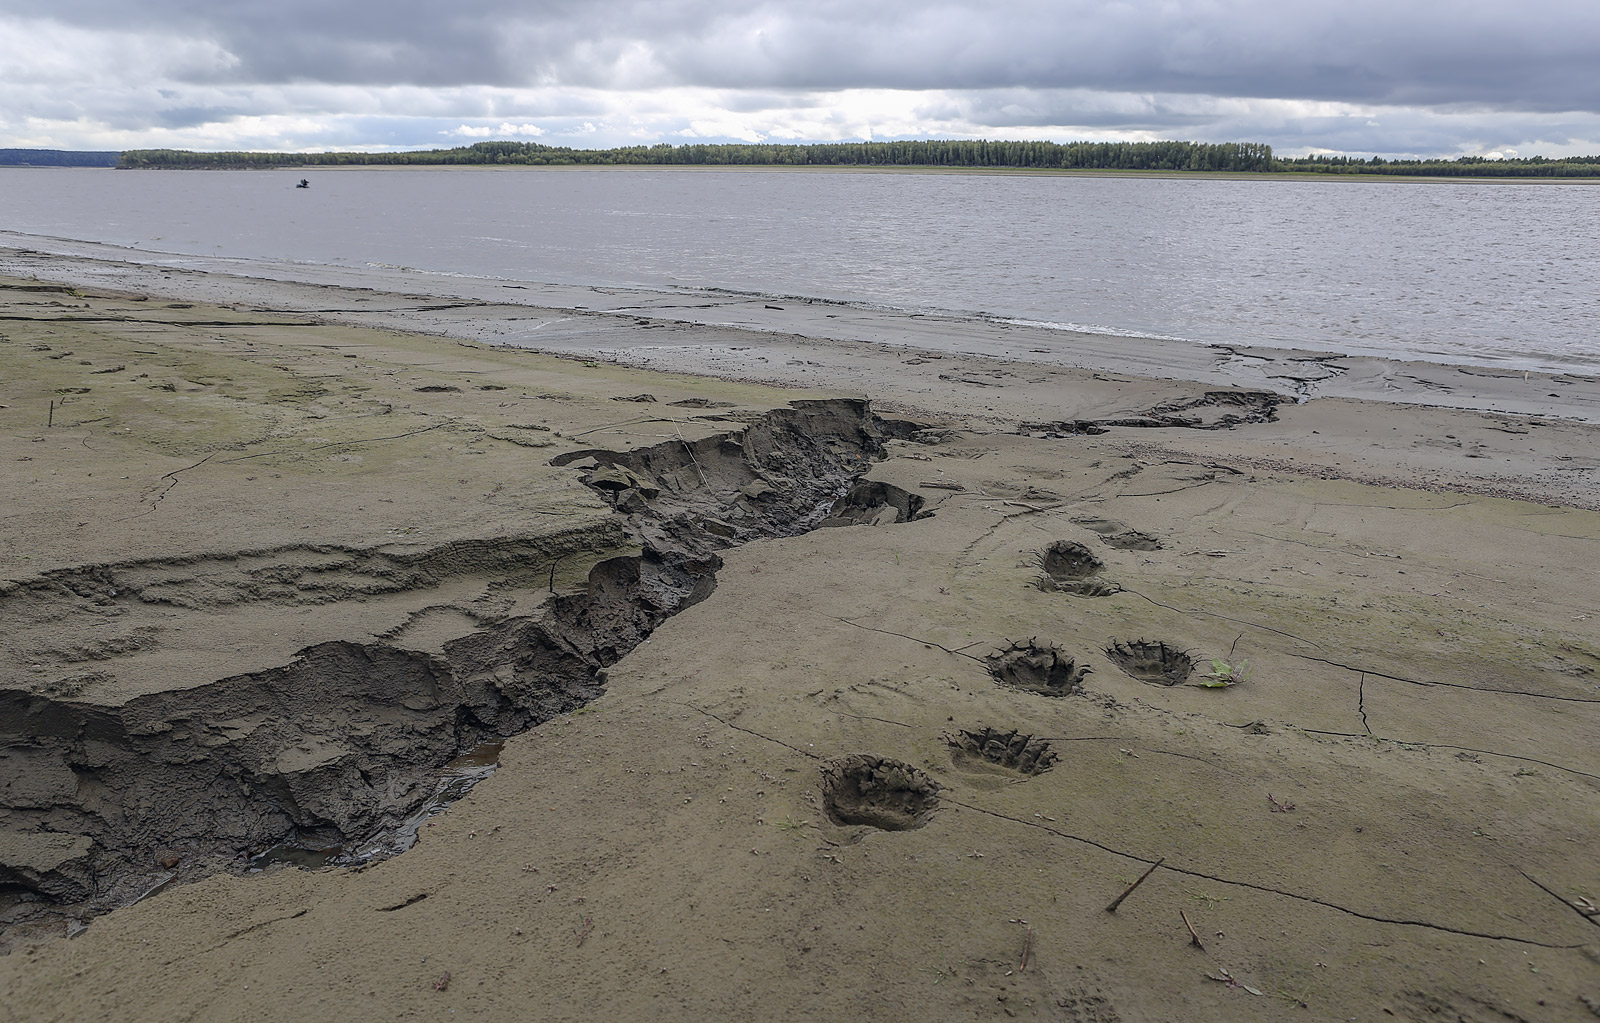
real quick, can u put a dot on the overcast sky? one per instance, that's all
(1388, 77)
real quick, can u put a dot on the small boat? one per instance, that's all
(303, 184)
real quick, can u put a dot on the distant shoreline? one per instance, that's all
(1026, 172)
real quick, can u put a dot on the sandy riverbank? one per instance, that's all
(277, 551)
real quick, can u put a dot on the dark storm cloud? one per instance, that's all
(1536, 56)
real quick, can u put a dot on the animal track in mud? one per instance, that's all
(1022, 753)
(1119, 535)
(1155, 663)
(1070, 567)
(1042, 670)
(881, 793)
(1081, 1005)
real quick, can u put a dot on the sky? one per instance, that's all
(1393, 78)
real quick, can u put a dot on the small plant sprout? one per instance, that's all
(1224, 674)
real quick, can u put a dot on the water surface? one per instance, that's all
(1475, 272)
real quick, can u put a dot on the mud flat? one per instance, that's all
(810, 706)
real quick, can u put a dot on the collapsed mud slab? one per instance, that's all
(1213, 410)
(101, 802)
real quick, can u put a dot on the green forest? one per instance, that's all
(1237, 157)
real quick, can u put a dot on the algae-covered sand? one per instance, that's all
(890, 770)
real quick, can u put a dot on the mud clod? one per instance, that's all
(881, 793)
(1044, 670)
(1212, 410)
(1021, 753)
(1152, 662)
(1070, 567)
(870, 502)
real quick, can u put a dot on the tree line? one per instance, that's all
(1244, 157)
(1170, 156)
(57, 158)
(1461, 167)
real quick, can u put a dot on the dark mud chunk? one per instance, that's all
(869, 502)
(1212, 410)
(1044, 670)
(1022, 753)
(1219, 410)
(1118, 535)
(436, 388)
(1070, 567)
(878, 792)
(1156, 663)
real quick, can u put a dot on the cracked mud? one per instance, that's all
(340, 747)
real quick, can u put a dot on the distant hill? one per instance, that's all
(56, 158)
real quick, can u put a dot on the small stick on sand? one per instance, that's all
(1194, 939)
(941, 485)
(1129, 890)
(1027, 947)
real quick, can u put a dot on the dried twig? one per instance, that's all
(1277, 807)
(1194, 938)
(941, 485)
(443, 982)
(1027, 947)
(690, 452)
(585, 926)
(1129, 890)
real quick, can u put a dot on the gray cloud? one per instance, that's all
(1192, 69)
(1538, 56)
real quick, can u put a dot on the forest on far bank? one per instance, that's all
(1235, 157)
